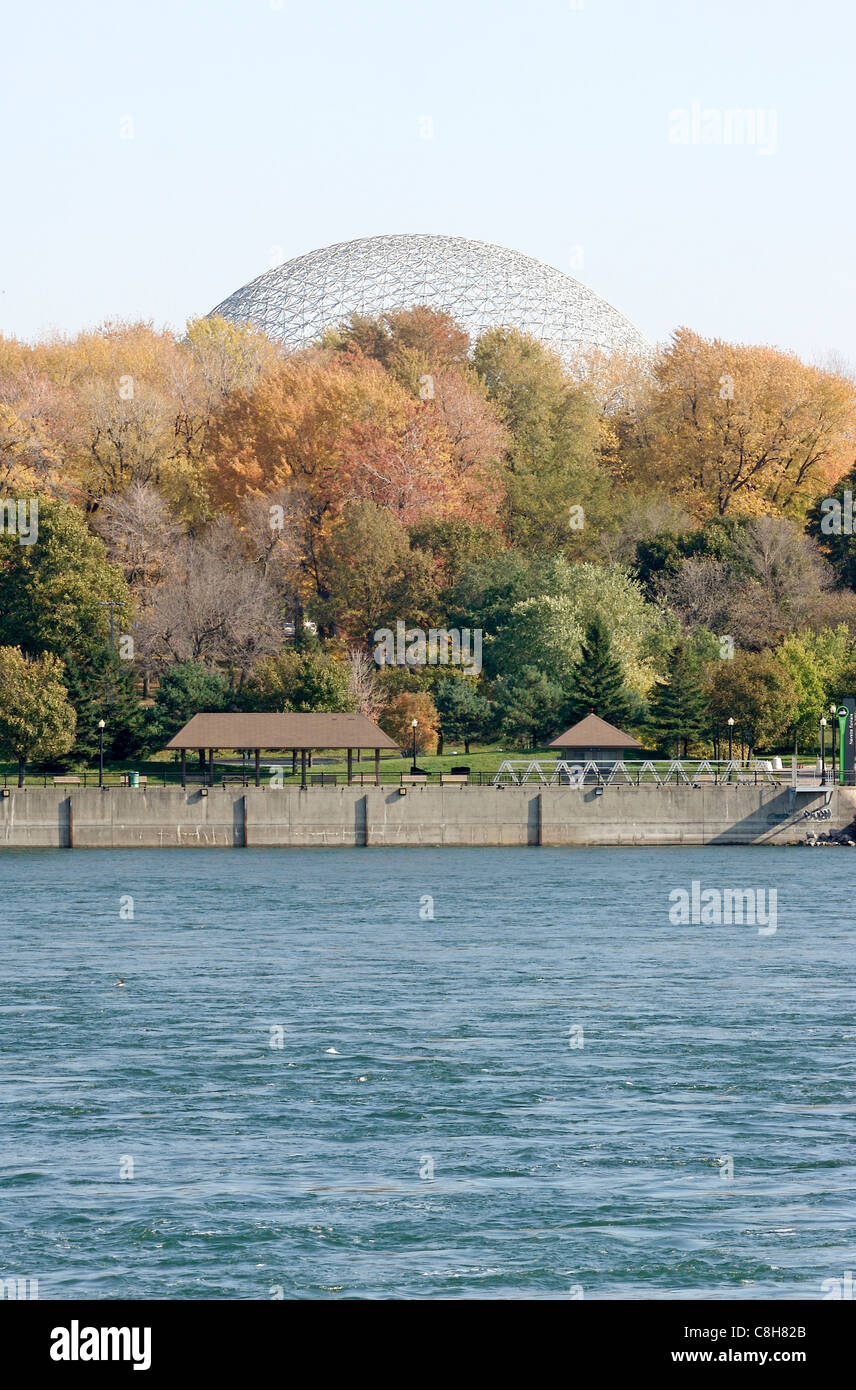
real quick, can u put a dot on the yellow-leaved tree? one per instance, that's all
(733, 429)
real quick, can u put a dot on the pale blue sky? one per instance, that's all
(265, 128)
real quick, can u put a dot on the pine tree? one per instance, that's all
(464, 713)
(102, 687)
(678, 710)
(527, 706)
(597, 682)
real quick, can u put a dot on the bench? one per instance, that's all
(231, 779)
(450, 779)
(125, 780)
(69, 781)
(322, 779)
(411, 779)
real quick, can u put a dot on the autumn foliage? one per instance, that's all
(230, 502)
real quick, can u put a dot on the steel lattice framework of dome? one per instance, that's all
(480, 285)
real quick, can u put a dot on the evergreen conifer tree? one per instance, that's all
(597, 682)
(677, 713)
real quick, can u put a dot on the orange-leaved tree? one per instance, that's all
(728, 428)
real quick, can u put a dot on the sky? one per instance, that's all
(158, 154)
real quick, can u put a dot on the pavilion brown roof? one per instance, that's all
(281, 731)
(594, 732)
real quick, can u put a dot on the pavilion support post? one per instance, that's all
(258, 755)
(377, 767)
(294, 762)
(184, 767)
(303, 769)
(350, 766)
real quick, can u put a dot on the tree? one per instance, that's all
(458, 547)
(215, 607)
(102, 687)
(368, 693)
(728, 428)
(548, 629)
(396, 338)
(597, 681)
(36, 719)
(552, 460)
(800, 659)
(54, 594)
(140, 532)
(335, 427)
(834, 527)
(370, 575)
(397, 720)
(464, 713)
(28, 458)
(302, 682)
(486, 589)
(774, 581)
(759, 694)
(186, 689)
(528, 705)
(678, 713)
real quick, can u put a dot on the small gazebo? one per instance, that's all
(594, 740)
(303, 733)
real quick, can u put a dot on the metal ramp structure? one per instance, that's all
(518, 772)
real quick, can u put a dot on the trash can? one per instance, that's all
(133, 779)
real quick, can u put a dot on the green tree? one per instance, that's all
(36, 719)
(548, 630)
(464, 713)
(301, 682)
(800, 659)
(833, 527)
(53, 594)
(759, 693)
(457, 546)
(486, 591)
(528, 706)
(553, 461)
(187, 689)
(597, 681)
(678, 713)
(102, 687)
(371, 575)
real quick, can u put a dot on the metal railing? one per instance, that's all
(688, 772)
(512, 772)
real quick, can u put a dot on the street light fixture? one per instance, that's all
(823, 750)
(101, 752)
(414, 724)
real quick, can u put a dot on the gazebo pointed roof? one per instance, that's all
(594, 732)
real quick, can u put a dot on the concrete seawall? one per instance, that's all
(169, 817)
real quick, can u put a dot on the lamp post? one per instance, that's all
(414, 724)
(823, 750)
(730, 738)
(101, 752)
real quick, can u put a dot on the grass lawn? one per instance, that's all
(484, 759)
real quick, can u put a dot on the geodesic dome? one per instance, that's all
(480, 285)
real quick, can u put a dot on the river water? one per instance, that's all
(425, 1073)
